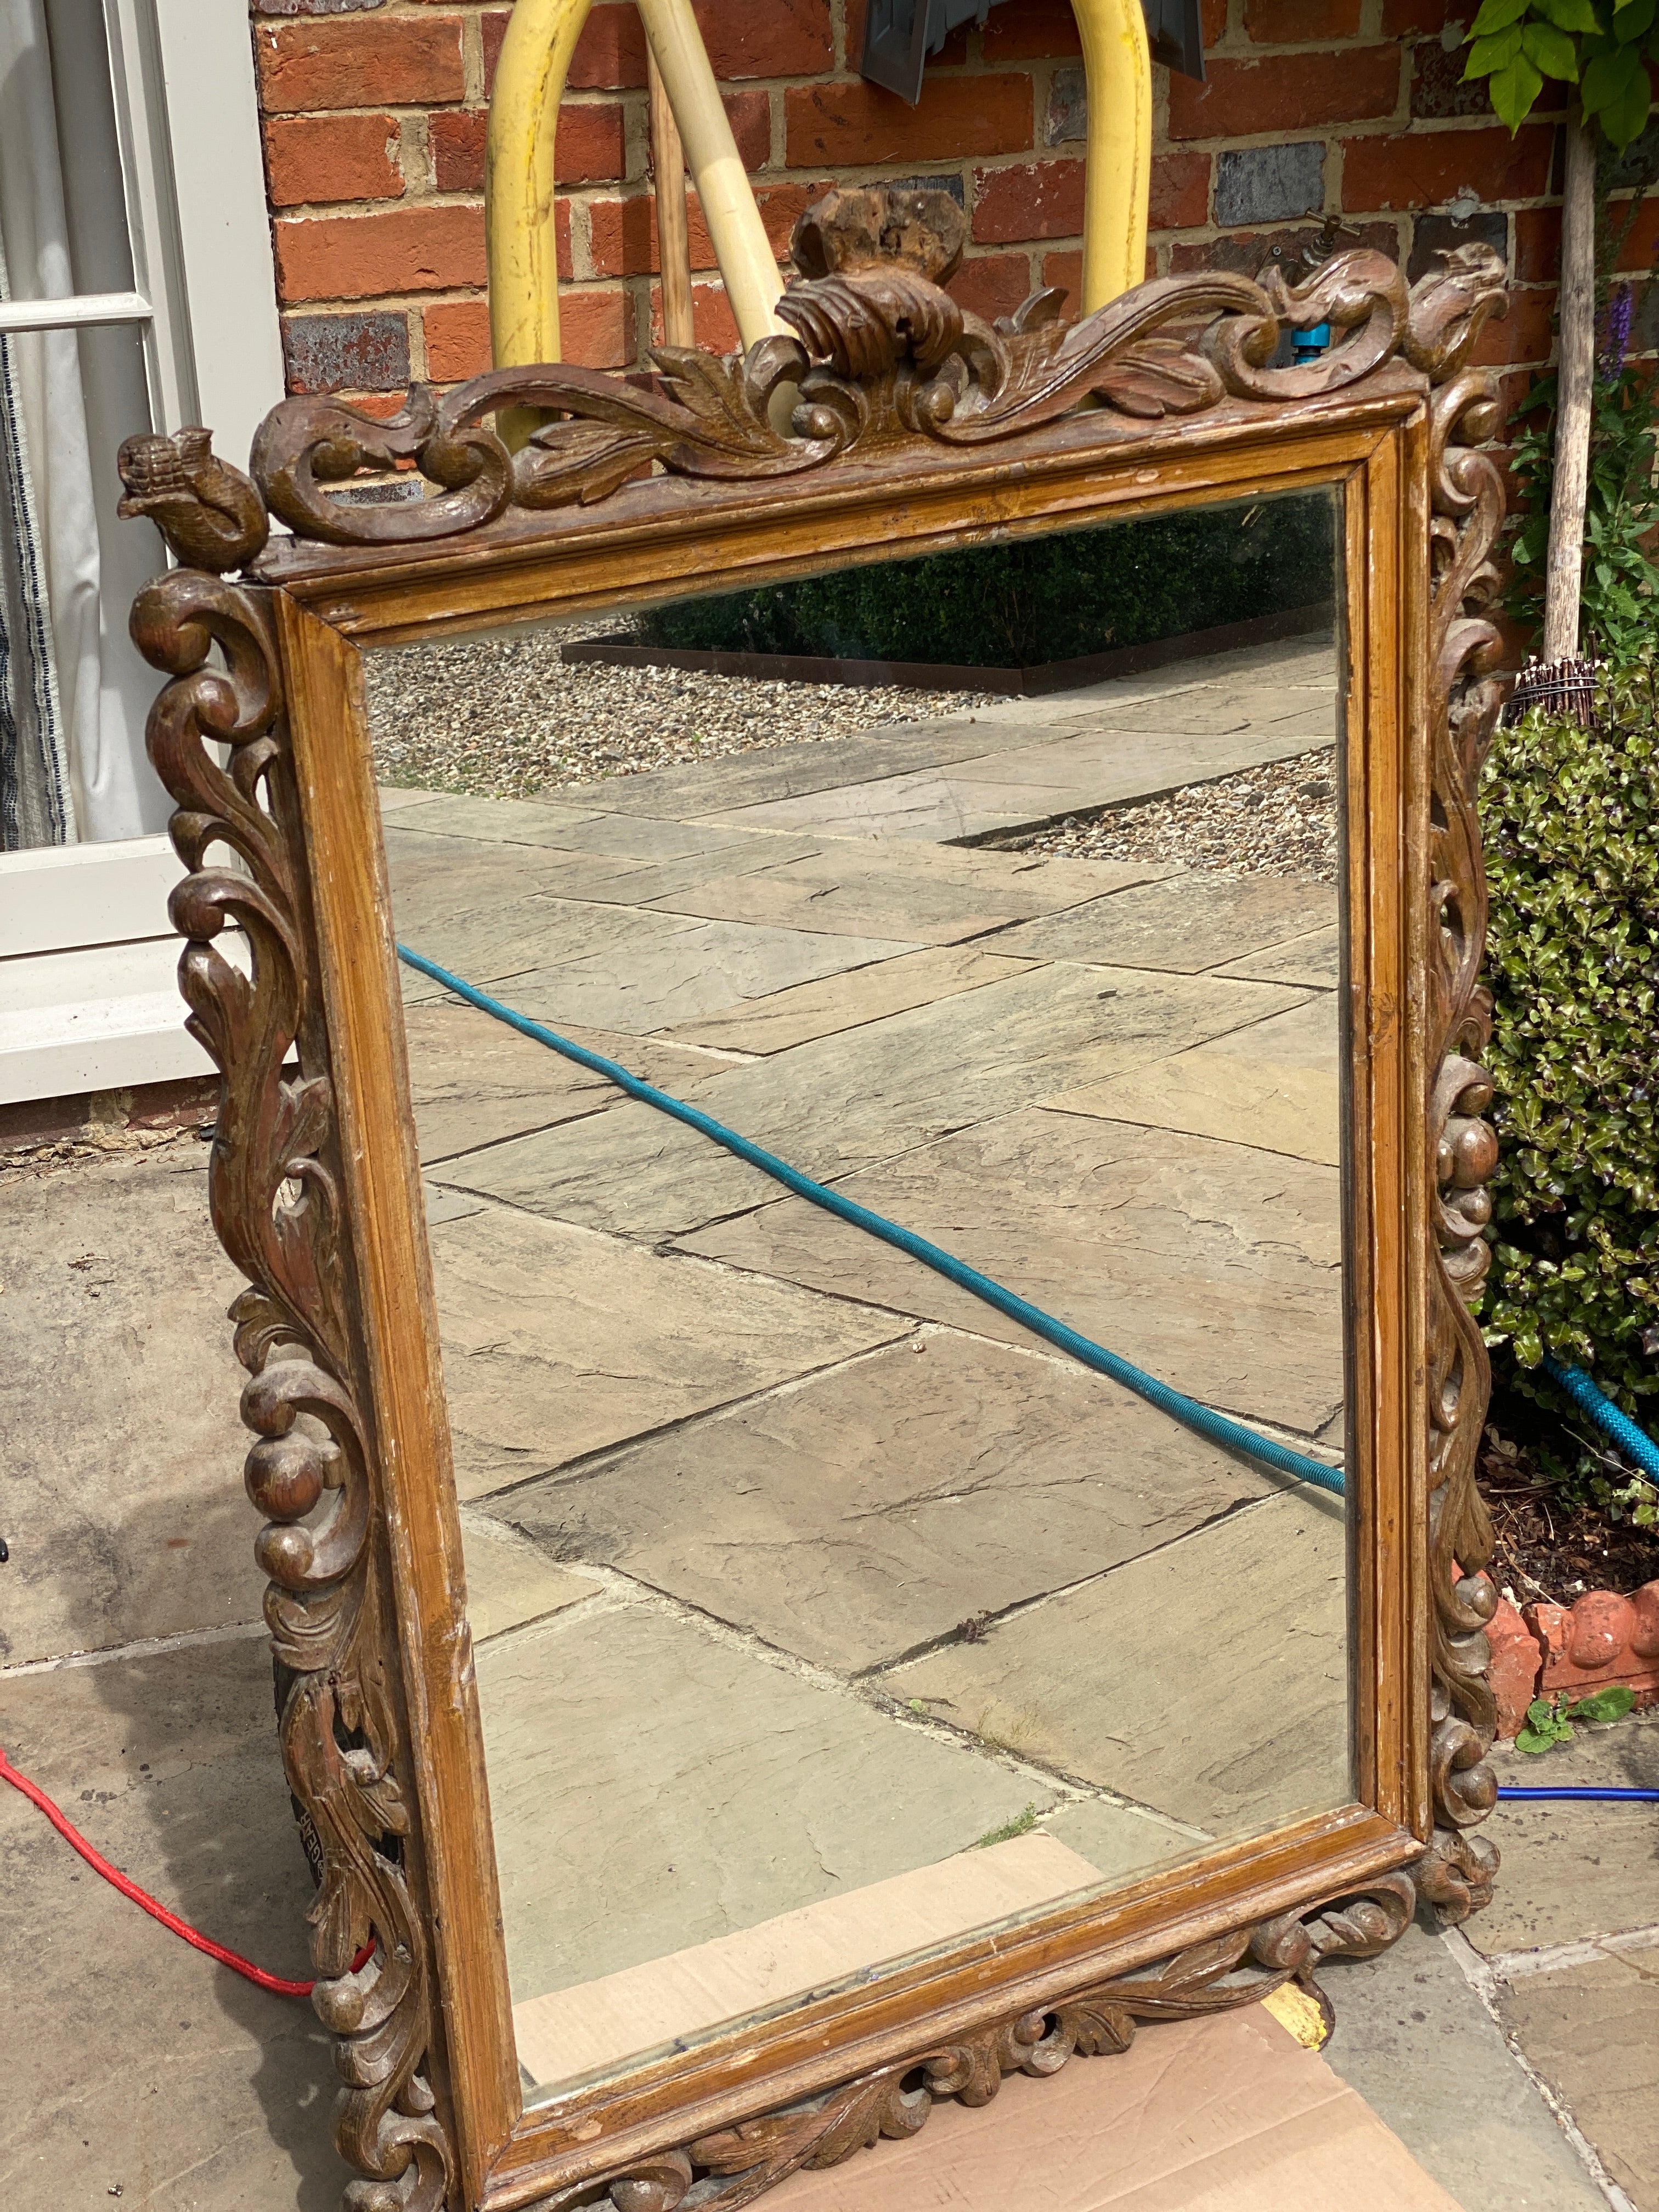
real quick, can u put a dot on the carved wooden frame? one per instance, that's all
(891, 413)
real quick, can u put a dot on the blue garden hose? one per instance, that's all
(1231, 1435)
(1216, 1427)
(1634, 1443)
(1617, 1796)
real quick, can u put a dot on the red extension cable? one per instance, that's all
(130, 1888)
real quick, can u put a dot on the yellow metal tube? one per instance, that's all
(524, 115)
(518, 178)
(748, 264)
(1117, 66)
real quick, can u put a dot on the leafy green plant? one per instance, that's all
(1572, 822)
(1621, 507)
(1604, 49)
(1549, 1721)
(1639, 1498)
(1021, 1825)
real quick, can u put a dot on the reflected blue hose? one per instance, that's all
(1216, 1428)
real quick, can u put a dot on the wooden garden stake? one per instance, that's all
(673, 229)
(1563, 573)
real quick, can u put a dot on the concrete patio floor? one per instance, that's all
(134, 1675)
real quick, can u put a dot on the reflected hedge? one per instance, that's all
(1036, 600)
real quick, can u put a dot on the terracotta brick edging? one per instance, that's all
(1600, 1640)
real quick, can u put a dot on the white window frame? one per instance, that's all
(89, 998)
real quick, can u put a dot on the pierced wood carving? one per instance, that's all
(881, 356)
(880, 360)
(274, 1184)
(739, 2164)
(1466, 491)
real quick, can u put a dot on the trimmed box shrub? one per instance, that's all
(1572, 825)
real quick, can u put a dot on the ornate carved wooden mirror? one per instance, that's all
(747, 1678)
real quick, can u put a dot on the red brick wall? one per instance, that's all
(375, 133)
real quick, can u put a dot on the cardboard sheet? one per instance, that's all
(1229, 2114)
(571, 2033)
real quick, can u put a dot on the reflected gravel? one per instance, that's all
(506, 718)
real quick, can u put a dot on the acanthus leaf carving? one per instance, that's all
(1466, 491)
(880, 355)
(274, 1192)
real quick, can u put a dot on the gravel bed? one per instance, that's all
(503, 718)
(1277, 820)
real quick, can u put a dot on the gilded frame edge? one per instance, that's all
(328, 1583)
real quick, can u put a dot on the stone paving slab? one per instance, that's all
(1186, 923)
(1276, 1085)
(517, 821)
(530, 934)
(1593, 2032)
(134, 2066)
(434, 878)
(398, 799)
(1571, 1871)
(475, 1081)
(1122, 1843)
(782, 772)
(1201, 1262)
(928, 805)
(1238, 1726)
(1315, 959)
(653, 1786)
(1414, 2038)
(121, 1496)
(509, 1581)
(825, 893)
(557, 1342)
(1074, 772)
(844, 1101)
(846, 1001)
(868, 1511)
(1217, 709)
(696, 968)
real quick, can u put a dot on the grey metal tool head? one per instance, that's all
(900, 34)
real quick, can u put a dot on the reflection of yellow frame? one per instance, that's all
(524, 111)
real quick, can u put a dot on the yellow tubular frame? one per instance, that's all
(1117, 67)
(524, 113)
(518, 184)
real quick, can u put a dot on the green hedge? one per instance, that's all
(1037, 600)
(1572, 826)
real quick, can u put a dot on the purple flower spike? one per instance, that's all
(1620, 304)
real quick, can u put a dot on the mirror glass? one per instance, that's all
(824, 1612)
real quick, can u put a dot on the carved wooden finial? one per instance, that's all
(210, 513)
(874, 226)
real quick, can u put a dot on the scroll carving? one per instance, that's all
(1466, 692)
(274, 1192)
(880, 356)
(737, 2165)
